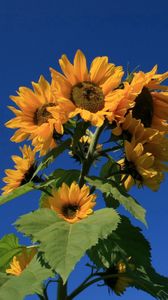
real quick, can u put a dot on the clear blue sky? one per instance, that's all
(33, 35)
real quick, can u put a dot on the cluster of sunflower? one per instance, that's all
(133, 109)
(136, 108)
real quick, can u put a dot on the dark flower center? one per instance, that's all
(88, 95)
(41, 115)
(111, 282)
(28, 175)
(130, 169)
(69, 211)
(143, 108)
(127, 135)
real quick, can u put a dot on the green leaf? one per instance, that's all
(128, 244)
(51, 156)
(63, 243)
(110, 201)
(148, 280)
(48, 182)
(3, 278)
(110, 168)
(131, 239)
(127, 241)
(28, 283)
(9, 247)
(119, 194)
(67, 176)
(17, 192)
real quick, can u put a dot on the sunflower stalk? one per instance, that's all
(102, 152)
(90, 155)
(44, 296)
(61, 290)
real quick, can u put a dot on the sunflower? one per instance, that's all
(151, 104)
(153, 141)
(21, 261)
(126, 95)
(71, 203)
(25, 166)
(93, 94)
(39, 116)
(157, 144)
(120, 282)
(133, 129)
(140, 167)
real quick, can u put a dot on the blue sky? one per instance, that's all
(33, 35)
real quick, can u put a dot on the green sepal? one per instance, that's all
(63, 243)
(118, 193)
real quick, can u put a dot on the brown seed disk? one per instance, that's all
(41, 115)
(88, 95)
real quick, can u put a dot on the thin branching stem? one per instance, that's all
(86, 283)
(90, 155)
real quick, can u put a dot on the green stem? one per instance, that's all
(90, 155)
(86, 284)
(115, 148)
(94, 141)
(62, 290)
(32, 246)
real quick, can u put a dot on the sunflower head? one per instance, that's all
(42, 114)
(134, 131)
(120, 281)
(151, 103)
(39, 116)
(71, 203)
(25, 166)
(157, 144)
(144, 107)
(129, 128)
(140, 167)
(89, 93)
(21, 261)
